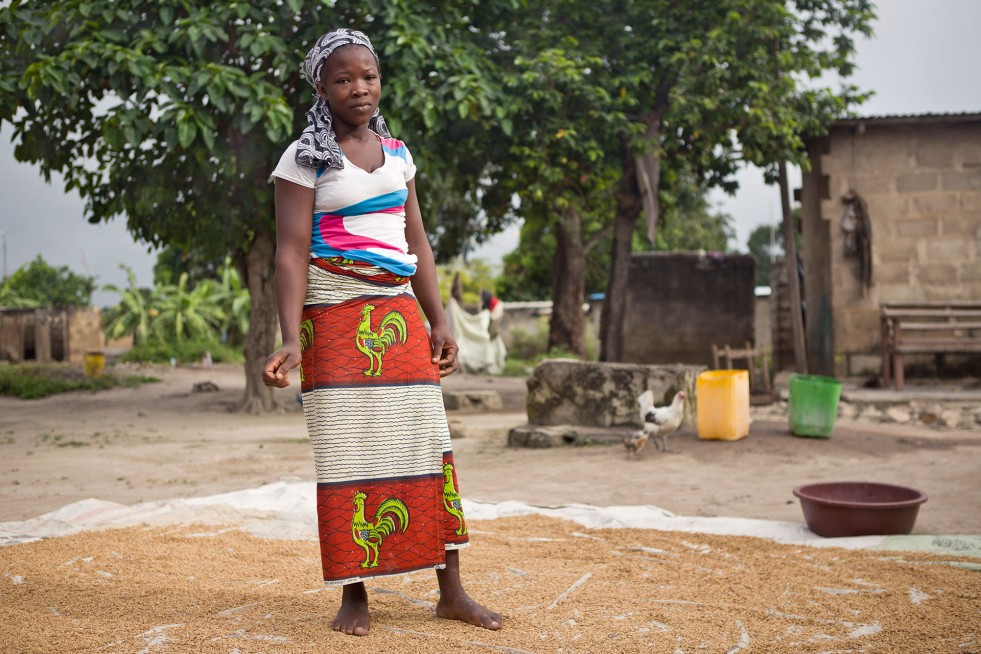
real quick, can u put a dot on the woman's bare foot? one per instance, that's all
(352, 617)
(455, 604)
(464, 609)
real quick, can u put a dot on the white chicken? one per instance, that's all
(659, 422)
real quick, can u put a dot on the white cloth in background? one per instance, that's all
(479, 353)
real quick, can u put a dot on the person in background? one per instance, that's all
(495, 307)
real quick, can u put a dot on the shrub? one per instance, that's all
(185, 351)
(29, 381)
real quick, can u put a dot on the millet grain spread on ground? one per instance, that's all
(560, 587)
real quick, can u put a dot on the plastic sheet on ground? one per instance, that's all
(286, 510)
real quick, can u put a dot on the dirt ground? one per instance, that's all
(164, 441)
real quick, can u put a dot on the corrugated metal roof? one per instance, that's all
(909, 119)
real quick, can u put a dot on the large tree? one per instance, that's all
(716, 84)
(687, 222)
(39, 284)
(556, 169)
(173, 114)
(661, 89)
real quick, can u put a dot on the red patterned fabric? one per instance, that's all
(387, 499)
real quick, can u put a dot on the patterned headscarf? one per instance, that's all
(318, 144)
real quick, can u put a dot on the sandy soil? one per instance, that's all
(164, 441)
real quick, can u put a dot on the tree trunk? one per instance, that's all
(260, 265)
(639, 187)
(567, 328)
(628, 210)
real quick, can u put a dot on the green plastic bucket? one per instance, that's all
(813, 405)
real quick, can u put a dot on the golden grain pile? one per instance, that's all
(560, 587)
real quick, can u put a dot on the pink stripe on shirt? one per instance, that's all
(336, 236)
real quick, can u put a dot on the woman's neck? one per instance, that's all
(345, 132)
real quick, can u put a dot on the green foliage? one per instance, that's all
(185, 312)
(687, 222)
(759, 246)
(185, 351)
(132, 316)
(180, 110)
(171, 313)
(229, 294)
(10, 299)
(700, 87)
(174, 113)
(172, 261)
(39, 284)
(31, 381)
(530, 346)
(527, 344)
(517, 368)
(475, 275)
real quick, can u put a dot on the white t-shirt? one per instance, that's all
(356, 214)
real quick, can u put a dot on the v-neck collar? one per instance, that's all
(348, 160)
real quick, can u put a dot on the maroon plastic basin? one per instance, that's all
(859, 508)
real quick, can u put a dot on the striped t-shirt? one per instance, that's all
(356, 214)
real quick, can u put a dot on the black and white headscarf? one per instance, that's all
(317, 146)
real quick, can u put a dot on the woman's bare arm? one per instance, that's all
(426, 287)
(294, 221)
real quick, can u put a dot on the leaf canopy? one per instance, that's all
(174, 113)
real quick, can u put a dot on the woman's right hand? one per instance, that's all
(278, 364)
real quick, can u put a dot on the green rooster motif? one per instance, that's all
(306, 340)
(452, 501)
(391, 331)
(392, 515)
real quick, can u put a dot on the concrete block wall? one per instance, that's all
(922, 186)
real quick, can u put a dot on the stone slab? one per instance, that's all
(472, 400)
(539, 436)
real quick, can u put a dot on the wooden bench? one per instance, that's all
(927, 328)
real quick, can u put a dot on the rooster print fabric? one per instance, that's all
(387, 498)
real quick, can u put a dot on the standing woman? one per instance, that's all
(352, 260)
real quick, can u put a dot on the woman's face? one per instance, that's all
(351, 84)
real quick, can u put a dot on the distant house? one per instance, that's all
(891, 212)
(50, 334)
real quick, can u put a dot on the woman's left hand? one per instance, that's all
(444, 350)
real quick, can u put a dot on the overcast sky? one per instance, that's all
(925, 57)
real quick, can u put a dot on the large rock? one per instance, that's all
(593, 394)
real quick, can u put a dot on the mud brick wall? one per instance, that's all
(84, 332)
(50, 334)
(680, 303)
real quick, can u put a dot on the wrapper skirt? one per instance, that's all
(387, 498)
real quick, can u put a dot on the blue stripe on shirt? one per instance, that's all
(372, 205)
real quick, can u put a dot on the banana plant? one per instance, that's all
(187, 312)
(133, 315)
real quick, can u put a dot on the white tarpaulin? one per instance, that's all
(287, 510)
(479, 353)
